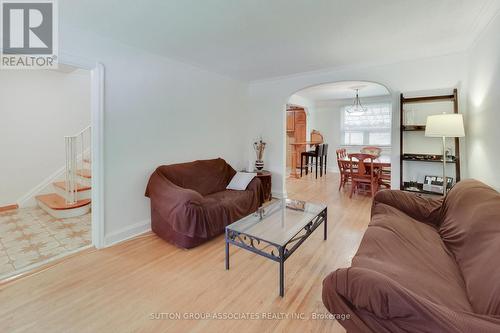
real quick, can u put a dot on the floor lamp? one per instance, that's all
(447, 125)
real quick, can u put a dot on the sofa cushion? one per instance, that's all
(202, 176)
(238, 203)
(241, 180)
(413, 254)
(471, 230)
(424, 209)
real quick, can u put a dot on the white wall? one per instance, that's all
(268, 98)
(483, 120)
(156, 111)
(37, 109)
(326, 119)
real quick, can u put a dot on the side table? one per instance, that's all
(265, 178)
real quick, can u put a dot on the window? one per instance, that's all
(372, 127)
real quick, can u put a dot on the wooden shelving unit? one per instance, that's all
(413, 127)
(296, 128)
(453, 98)
(428, 160)
(426, 99)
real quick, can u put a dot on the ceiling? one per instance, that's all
(342, 90)
(258, 39)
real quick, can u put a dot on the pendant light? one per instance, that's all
(356, 106)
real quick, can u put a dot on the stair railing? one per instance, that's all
(78, 151)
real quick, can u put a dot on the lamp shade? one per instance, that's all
(449, 125)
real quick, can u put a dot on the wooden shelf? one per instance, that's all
(413, 127)
(426, 160)
(404, 128)
(413, 190)
(427, 99)
(418, 188)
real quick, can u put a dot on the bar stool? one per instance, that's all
(310, 156)
(324, 158)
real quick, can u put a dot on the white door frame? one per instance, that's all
(97, 123)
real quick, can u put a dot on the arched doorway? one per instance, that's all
(321, 108)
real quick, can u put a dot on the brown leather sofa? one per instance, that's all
(424, 265)
(190, 203)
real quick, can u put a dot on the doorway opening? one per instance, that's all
(49, 200)
(346, 116)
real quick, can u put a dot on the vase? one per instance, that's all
(259, 164)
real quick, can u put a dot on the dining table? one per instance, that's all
(382, 161)
(296, 147)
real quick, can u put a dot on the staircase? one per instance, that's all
(72, 196)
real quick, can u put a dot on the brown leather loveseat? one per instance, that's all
(190, 203)
(424, 265)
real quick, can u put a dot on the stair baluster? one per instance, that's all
(76, 148)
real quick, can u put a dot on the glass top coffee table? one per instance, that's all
(276, 231)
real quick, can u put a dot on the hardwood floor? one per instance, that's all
(124, 287)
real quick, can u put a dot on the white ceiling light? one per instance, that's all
(356, 106)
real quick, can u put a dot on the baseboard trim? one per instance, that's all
(127, 233)
(28, 199)
(279, 195)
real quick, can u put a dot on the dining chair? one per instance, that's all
(344, 166)
(365, 174)
(341, 153)
(385, 178)
(345, 172)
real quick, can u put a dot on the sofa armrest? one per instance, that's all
(256, 186)
(378, 303)
(423, 209)
(160, 189)
(373, 292)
